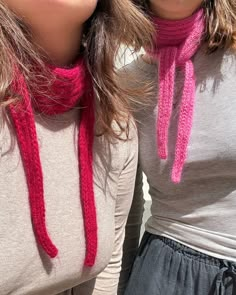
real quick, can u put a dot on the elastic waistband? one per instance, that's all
(187, 251)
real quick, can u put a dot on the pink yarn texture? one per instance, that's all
(71, 86)
(175, 45)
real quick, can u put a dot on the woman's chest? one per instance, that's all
(212, 145)
(25, 269)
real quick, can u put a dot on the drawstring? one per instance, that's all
(229, 270)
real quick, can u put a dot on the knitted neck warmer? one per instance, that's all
(69, 87)
(176, 43)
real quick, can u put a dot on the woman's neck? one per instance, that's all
(164, 12)
(56, 26)
(176, 11)
(61, 44)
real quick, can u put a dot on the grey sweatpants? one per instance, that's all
(165, 267)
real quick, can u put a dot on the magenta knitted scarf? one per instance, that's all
(176, 43)
(70, 87)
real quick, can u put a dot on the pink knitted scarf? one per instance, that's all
(176, 43)
(70, 87)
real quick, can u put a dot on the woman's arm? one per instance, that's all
(107, 281)
(132, 232)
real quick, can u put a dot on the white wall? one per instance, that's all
(125, 56)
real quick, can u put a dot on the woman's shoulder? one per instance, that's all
(125, 129)
(124, 138)
(140, 79)
(112, 155)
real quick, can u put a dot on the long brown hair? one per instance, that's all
(220, 22)
(113, 22)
